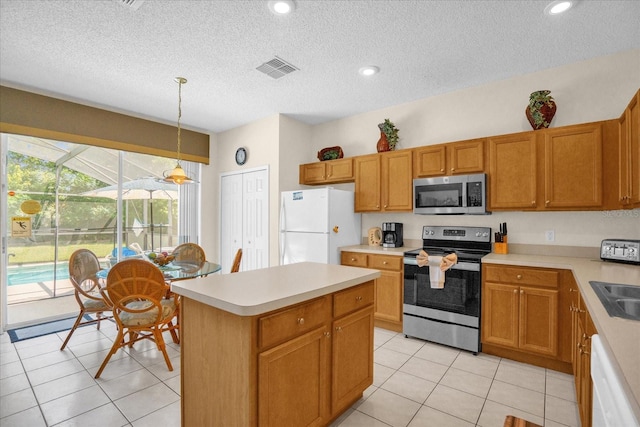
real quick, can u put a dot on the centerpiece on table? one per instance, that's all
(161, 259)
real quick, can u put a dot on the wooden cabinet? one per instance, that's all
(512, 171)
(629, 154)
(449, 159)
(301, 365)
(388, 287)
(581, 338)
(573, 166)
(327, 172)
(520, 309)
(549, 169)
(383, 182)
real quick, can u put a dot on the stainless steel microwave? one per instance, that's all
(450, 195)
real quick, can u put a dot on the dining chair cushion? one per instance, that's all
(93, 304)
(147, 317)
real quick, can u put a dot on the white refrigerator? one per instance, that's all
(315, 223)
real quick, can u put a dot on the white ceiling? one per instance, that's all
(104, 54)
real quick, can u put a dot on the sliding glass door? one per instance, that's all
(63, 196)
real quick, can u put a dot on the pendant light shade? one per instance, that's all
(177, 175)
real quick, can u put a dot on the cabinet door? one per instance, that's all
(305, 401)
(389, 296)
(312, 173)
(466, 157)
(629, 152)
(500, 314)
(538, 324)
(367, 188)
(339, 170)
(354, 259)
(573, 166)
(429, 161)
(512, 171)
(397, 181)
(352, 358)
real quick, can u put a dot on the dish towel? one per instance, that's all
(437, 267)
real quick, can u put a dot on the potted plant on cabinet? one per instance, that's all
(388, 136)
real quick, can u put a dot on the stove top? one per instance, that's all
(469, 243)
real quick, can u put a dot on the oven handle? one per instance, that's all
(464, 266)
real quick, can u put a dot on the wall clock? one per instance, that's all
(241, 156)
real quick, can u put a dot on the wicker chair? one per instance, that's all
(136, 290)
(236, 262)
(189, 256)
(83, 266)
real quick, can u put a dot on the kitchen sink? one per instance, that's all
(619, 300)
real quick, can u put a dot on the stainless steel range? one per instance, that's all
(448, 315)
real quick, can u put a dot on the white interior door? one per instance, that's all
(231, 219)
(244, 219)
(255, 247)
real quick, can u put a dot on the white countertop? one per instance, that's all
(256, 292)
(379, 250)
(621, 337)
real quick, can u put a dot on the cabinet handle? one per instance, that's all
(327, 334)
(533, 203)
(353, 259)
(300, 320)
(519, 276)
(358, 298)
(441, 170)
(585, 337)
(572, 290)
(547, 202)
(453, 169)
(521, 292)
(385, 262)
(515, 291)
(385, 206)
(584, 352)
(339, 328)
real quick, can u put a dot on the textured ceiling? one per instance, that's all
(104, 54)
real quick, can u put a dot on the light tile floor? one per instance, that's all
(415, 384)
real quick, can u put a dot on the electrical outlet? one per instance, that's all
(550, 235)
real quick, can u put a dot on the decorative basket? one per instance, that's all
(330, 153)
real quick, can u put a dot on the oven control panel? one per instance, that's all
(466, 234)
(620, 250)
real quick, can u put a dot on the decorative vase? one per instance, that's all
(383, 143)
(541, 109)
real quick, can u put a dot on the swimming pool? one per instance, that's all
(22, 275)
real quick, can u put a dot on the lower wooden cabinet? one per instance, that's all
(388, 289)
(581, 339)
(522, 317)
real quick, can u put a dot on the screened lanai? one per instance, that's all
(67, 193)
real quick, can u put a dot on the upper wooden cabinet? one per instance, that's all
(449, 159)
(384, 182)
(512, 171)
(573, 166)
(629, 154)
(550, 169)
(327, 172)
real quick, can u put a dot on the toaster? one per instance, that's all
(620, 250)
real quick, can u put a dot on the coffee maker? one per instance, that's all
(392, 235)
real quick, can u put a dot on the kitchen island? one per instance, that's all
(286, 345)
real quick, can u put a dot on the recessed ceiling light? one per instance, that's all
(281, 7)
(369, 70)
(557, 7)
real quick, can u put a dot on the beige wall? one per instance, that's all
(593, 90)
(588, 91)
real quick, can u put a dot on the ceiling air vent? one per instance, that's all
(276, 68)
(131, 4)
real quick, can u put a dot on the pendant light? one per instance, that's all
(177, 175)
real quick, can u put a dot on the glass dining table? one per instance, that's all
(175, 271)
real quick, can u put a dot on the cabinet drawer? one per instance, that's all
(522, 276)
(353, 299)
(354, 259)
(292, 322)
(385, 262)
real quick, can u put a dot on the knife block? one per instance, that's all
(501, 248)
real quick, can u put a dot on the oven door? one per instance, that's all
(461, 292)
